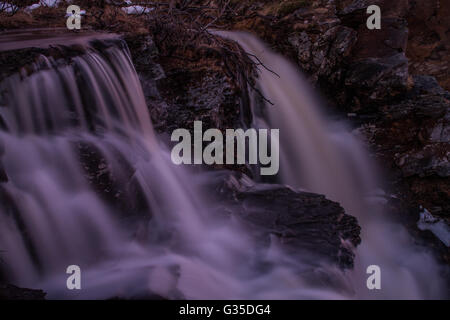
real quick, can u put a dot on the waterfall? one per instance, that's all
(70, 126)
(78, 138)
(322, 156)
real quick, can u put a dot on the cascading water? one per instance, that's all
(52, 217)
(323, 157)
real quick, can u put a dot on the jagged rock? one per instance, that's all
(302, 43)
(114, 182)
(431, 160)
(179, 94)
(356, 6)
(320, 56)
(379, 77)
(441, 131)
(301, 221)
(425, 112)
(425, 100)
(10, 292)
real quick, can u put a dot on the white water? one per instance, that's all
(184, 251)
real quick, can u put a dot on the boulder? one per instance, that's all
(309, 226)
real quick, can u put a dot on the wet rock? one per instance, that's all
(202, 95)
(114, 182)
(411, 137)
(10, 292)
(180, 92)
(302, 222)
(418, 130)
(428, 85)
(378, 78)
(321, 56)
(431, 160)
(441, 131)
(302, 44)
(3, 176)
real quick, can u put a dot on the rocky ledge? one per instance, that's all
(10, 292)
(300, 221)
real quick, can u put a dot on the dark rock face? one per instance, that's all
(179, 91)
(201, 95)
(321, 56)
(307, 225)
(114, 182)
(303, 222)
(353, 66)
(10, 292)
(378, 78)
(413, 135)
